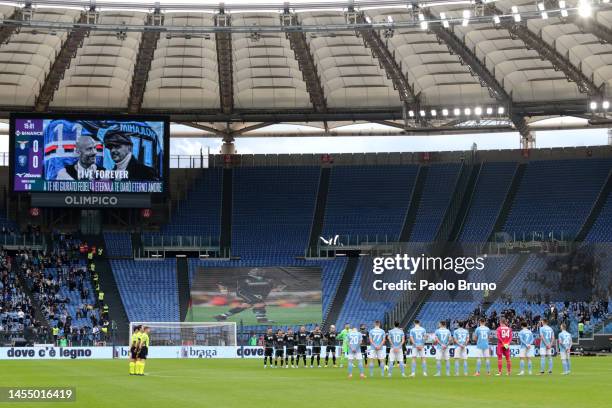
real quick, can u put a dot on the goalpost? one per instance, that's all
(190, 333)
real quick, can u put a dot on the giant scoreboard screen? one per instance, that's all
(88, 154)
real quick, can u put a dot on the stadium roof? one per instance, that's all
(452, 66)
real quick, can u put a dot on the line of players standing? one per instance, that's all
(287, 348)
(291, 346)
(391, 347)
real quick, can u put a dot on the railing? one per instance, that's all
(328, 246)
(530, 236)
(157, 246)
(189, 162)
(15, 241)
(179, 241)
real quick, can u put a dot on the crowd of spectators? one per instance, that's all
(580, 313)
(65, 284)
(17, 321)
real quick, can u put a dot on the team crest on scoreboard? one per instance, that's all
(22, 143)
(22, 159)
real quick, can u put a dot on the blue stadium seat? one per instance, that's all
(437, 192)
(118, 244)
(272, 210)
(490, 192)
(601, 231)
(200, 213)
(368, 201)
(149, 289)
(556, 196)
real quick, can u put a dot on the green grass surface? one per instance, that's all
(280, 315)
(244, 383)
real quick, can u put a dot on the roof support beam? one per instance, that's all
(7, 30)
(146, 51)
(469, 58)
(303, 55)
(590, 25)
(478, 69)
(73, 42)
(380, 51)
(224, 63)
(587, 25)
(547, 52)
(199, 126)
(250, 128)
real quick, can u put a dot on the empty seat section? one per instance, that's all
(272, 210)
(437, 192)
(368, 201)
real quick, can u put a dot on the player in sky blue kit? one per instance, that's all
(442, 340)
(565, 346)
(396, 338)
(354, 338)
(481, 337)
(547, 340)
(377, 348)
(526, 347)
(461, 338)
(417, 339)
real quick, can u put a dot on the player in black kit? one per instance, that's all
(330, 339)
(268, 347)
(316, 337)
(253, 291)
(365, 341)
(301, 339)
(290, 341)
(279, 345)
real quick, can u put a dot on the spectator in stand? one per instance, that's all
(53, 277)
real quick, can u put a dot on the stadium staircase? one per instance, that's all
(415, 199)
(341, 291)
(225, 239)
(505, 280)
(509, 200)
(465, 202)
(38, 314)
(407, 309)
(184, 290)
(108, 285)
(48, 241)
(319, 214)
(596, 210)
(137, 246)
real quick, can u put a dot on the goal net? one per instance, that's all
(190, 333)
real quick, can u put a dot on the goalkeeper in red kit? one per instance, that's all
(504, 338)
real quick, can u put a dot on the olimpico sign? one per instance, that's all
(91, 200)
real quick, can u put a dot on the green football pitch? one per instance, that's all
(279, 315)
(246, 384)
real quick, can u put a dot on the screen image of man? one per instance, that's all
(85, 167)
(119, 145)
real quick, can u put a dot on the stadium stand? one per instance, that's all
(351, 209)
(16, 309)
(118, 244)
(489, 194)
(272, 210)
(461, 307)
(437, 192)
(556, 196)
(148, 289)
(199, 214)
(62, 284)
(356, 308)
(601, 231)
